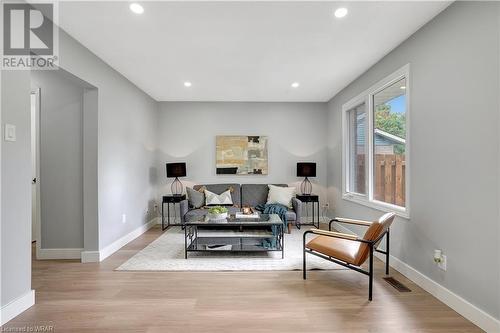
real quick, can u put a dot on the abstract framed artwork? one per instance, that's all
(241, 155)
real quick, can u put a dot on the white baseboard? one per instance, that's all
(90, 256)
(471, 312)
(98, 256)
(16, 307)
(477, 316)
(47, 254)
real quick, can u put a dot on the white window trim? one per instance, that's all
(367, 98)
(358, 100)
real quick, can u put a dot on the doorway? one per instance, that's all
(64, 165)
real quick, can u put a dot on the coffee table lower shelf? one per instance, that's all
(214, 244)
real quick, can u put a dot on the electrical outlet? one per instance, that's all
(442, 263)
(124, 218)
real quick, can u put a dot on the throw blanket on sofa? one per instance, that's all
(278, 209)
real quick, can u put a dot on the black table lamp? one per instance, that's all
(306, 169)
(176, 170)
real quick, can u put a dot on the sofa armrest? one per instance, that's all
(297, 207)
(184, 208)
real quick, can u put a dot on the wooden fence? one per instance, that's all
(390, 178)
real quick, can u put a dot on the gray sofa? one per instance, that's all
(242, 195)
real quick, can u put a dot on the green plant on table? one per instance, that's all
(218, 210)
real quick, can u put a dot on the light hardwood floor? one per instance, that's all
(77, 297)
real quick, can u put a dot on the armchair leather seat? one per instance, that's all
(342, 249)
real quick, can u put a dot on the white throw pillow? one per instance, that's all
(280, 195)
(218, 199)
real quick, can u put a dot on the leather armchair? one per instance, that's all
(350, 250)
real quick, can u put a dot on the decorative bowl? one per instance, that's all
(217, 217)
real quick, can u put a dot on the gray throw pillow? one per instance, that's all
(196, 199)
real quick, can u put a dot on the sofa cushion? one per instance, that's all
(219, 188)
(195, 212)
(255, 194)
(196, 198)
(281, 195)
(214, 199)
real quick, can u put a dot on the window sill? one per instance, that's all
(381, 206)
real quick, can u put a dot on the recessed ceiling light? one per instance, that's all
(295, 85)
(341, 12)
(402, 87)
(136, 8)
(187, 84)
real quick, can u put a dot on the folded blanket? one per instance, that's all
(278, 209)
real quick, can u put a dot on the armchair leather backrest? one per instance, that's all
(373, 232)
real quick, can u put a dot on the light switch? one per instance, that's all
(10, 132)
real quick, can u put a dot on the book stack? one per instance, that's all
(240, 215)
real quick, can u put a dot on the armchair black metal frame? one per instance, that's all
(371, 244)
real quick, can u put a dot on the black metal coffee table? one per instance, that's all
(271, 239)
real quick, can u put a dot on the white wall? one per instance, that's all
(15, 191)
(454, 151)
(296, 132)
(61, 159)
(126, 142)
(126, 165)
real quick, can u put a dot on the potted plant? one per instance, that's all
(217, 213)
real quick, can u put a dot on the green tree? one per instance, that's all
(391, 122)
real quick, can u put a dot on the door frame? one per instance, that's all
(38, 228)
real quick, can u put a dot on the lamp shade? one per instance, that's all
(176, 170)
(306, 169)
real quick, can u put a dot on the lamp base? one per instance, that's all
(176, 187)
(306, 187)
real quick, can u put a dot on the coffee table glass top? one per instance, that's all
(263, 219)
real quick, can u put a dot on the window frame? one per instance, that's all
(367, 97)
(346, 172)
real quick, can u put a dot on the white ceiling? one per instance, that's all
(243, 51)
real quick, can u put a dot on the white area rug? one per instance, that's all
(166, 253)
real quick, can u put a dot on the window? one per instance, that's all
(375, 145)
(357, 149)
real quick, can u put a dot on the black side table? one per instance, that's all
(170, 199)
(310, 198)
